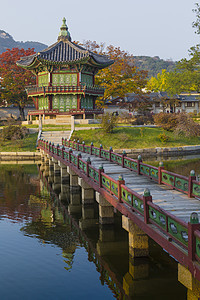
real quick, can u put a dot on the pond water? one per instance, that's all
(57, 250)
(180, 166)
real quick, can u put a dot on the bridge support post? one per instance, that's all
(42, 160)
(87, 191)
(106, 210)
(64, 192)
(51, 171)
(73, 179)
(56, 176)
(191, 283)
(88, 217)
(63, 173)
(74, 206)
(138, 240)
(46, 166)
(138, 269)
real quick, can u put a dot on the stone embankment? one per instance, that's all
(162, 152)
(25, 156)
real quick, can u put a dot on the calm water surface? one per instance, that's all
(54, 250)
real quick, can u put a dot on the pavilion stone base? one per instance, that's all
(60, 120)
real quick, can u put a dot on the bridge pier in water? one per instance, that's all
(192, 284)
(138, 240)
(56, 176)
(74, 206)
(138, 270)
(64, 179)
(106, 210)
(88, 216)
(87, 191)
(46, 164)
(73, 179)
(51, 171)
(63, 173)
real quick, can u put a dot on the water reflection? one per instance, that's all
(75, 257)
(182, 167)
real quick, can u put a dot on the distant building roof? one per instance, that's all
(130, 97)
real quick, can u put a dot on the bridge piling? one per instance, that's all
(64, 192)
(87, 191)
(51, 171)
(42, 160)
(138, 270)
(138, 240)
(73, 179)
(63, 173)
(106, 210)
(88, 217)
(74, 206)
(46, 165)
(192, 284)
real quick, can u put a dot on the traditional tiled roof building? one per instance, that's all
(65, 78)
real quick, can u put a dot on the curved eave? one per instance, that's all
(33, 62)
(99, 65)
(32, 65)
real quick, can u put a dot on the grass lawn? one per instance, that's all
(26, 144)
(129, 138)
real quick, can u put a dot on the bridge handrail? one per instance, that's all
(188, 185)
(187, 235)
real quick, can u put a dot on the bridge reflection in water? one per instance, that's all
(154, 277)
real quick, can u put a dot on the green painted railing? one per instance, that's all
(188, 185)
(187, 235)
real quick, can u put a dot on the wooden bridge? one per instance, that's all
(153, 201)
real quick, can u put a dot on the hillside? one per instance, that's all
(153, 65)
(7, 42)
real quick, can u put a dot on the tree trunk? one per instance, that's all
(21, 113)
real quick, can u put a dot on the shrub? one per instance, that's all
(166, 121)
(186, 126)
(163, 137)
(125, 117)
(13, 132)
(141, 120)
(108, 122)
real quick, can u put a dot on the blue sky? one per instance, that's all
(148, 27)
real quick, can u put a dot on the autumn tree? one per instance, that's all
(14, 79)
(120, 78)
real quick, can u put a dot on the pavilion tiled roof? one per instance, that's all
(65, 51)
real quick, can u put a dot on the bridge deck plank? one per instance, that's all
(173, 201)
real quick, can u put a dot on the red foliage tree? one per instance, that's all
(14, 79)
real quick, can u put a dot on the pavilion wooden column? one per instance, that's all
(50, 102)
(78, 101)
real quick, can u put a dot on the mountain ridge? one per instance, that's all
(7, 42)
(153, 65)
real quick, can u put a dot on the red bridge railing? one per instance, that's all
(182, 239)
(188, 185)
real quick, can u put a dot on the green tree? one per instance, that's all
(14, 79)
(196, 23)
